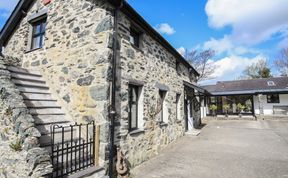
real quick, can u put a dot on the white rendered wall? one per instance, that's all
(268, 107)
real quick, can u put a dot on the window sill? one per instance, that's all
(138, 131)
(138, 49)
(163, 124)
(31, 50)
(178, 121)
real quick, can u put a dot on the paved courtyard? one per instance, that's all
(224, 149)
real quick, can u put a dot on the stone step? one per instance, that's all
(19, 70)
(46, 130)
(37, 97)
(29, 84)
(89, 171)
(30, 78)
(33, 90)
(41, 104)
(50, 119)
(46, 111)
(45, 140)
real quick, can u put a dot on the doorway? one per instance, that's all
(189, 109)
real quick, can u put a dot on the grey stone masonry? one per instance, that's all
(19, 145)
(76, 62)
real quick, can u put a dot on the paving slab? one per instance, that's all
(224, 149)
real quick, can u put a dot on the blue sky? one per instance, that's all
(240, 31)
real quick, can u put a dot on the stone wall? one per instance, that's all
(19, 148)
(150, 64)
(76, 62)
(75, 59)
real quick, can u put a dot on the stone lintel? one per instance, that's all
(162, 86)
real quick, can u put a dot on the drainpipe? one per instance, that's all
(118, 4)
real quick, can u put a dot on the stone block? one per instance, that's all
(85, 81)
(99, 93)
(104, 25)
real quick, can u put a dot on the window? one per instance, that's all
(133, 107)
(213, 99)
(162, 95)
(135, 37)
(178, 116)
(273, 98)
(270, 83)
(38, 33)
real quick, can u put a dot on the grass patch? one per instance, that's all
(16, 146)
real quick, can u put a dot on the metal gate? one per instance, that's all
(73, 148)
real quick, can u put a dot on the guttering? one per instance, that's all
(251, 92)
(199, 89)
(118, 4)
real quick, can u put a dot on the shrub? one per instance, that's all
(240, 107)
(226, 107)
(16, 146)
(213, 107)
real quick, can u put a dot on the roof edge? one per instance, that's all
(21, 8)
(137, 18)
(16, 16)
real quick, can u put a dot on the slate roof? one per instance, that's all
(253, 86)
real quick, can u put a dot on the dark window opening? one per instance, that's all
(135, 37)
(191, 108)
(38, 33)
(177, 105)
(273, 98)
(133, 107)
(162, 95)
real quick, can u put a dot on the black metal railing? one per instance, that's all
(73, 148)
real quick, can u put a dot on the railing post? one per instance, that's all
(97, 144)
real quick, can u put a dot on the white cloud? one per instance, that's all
(219, 46)
(233, 65)
(8, 5)
(252, 21)
(226, 45)
(181, 50)
(165, 28)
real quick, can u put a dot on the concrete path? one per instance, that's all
(224, 149)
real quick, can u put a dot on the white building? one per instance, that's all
(268, 97)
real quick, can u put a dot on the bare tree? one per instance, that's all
(202, 62)
(282, 62)
(256, 70)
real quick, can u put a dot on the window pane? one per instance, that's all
(36, 29)
(43, 27)
(134, 94)
(133, 107)
(134, 116)
(273, 98)
(36, 42)
(134, 37)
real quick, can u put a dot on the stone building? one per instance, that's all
(102, 62)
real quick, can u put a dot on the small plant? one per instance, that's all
(6, 130)
(226, 108)
(16, 146)
(240, 108)
(213, 108)
(248, 106)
